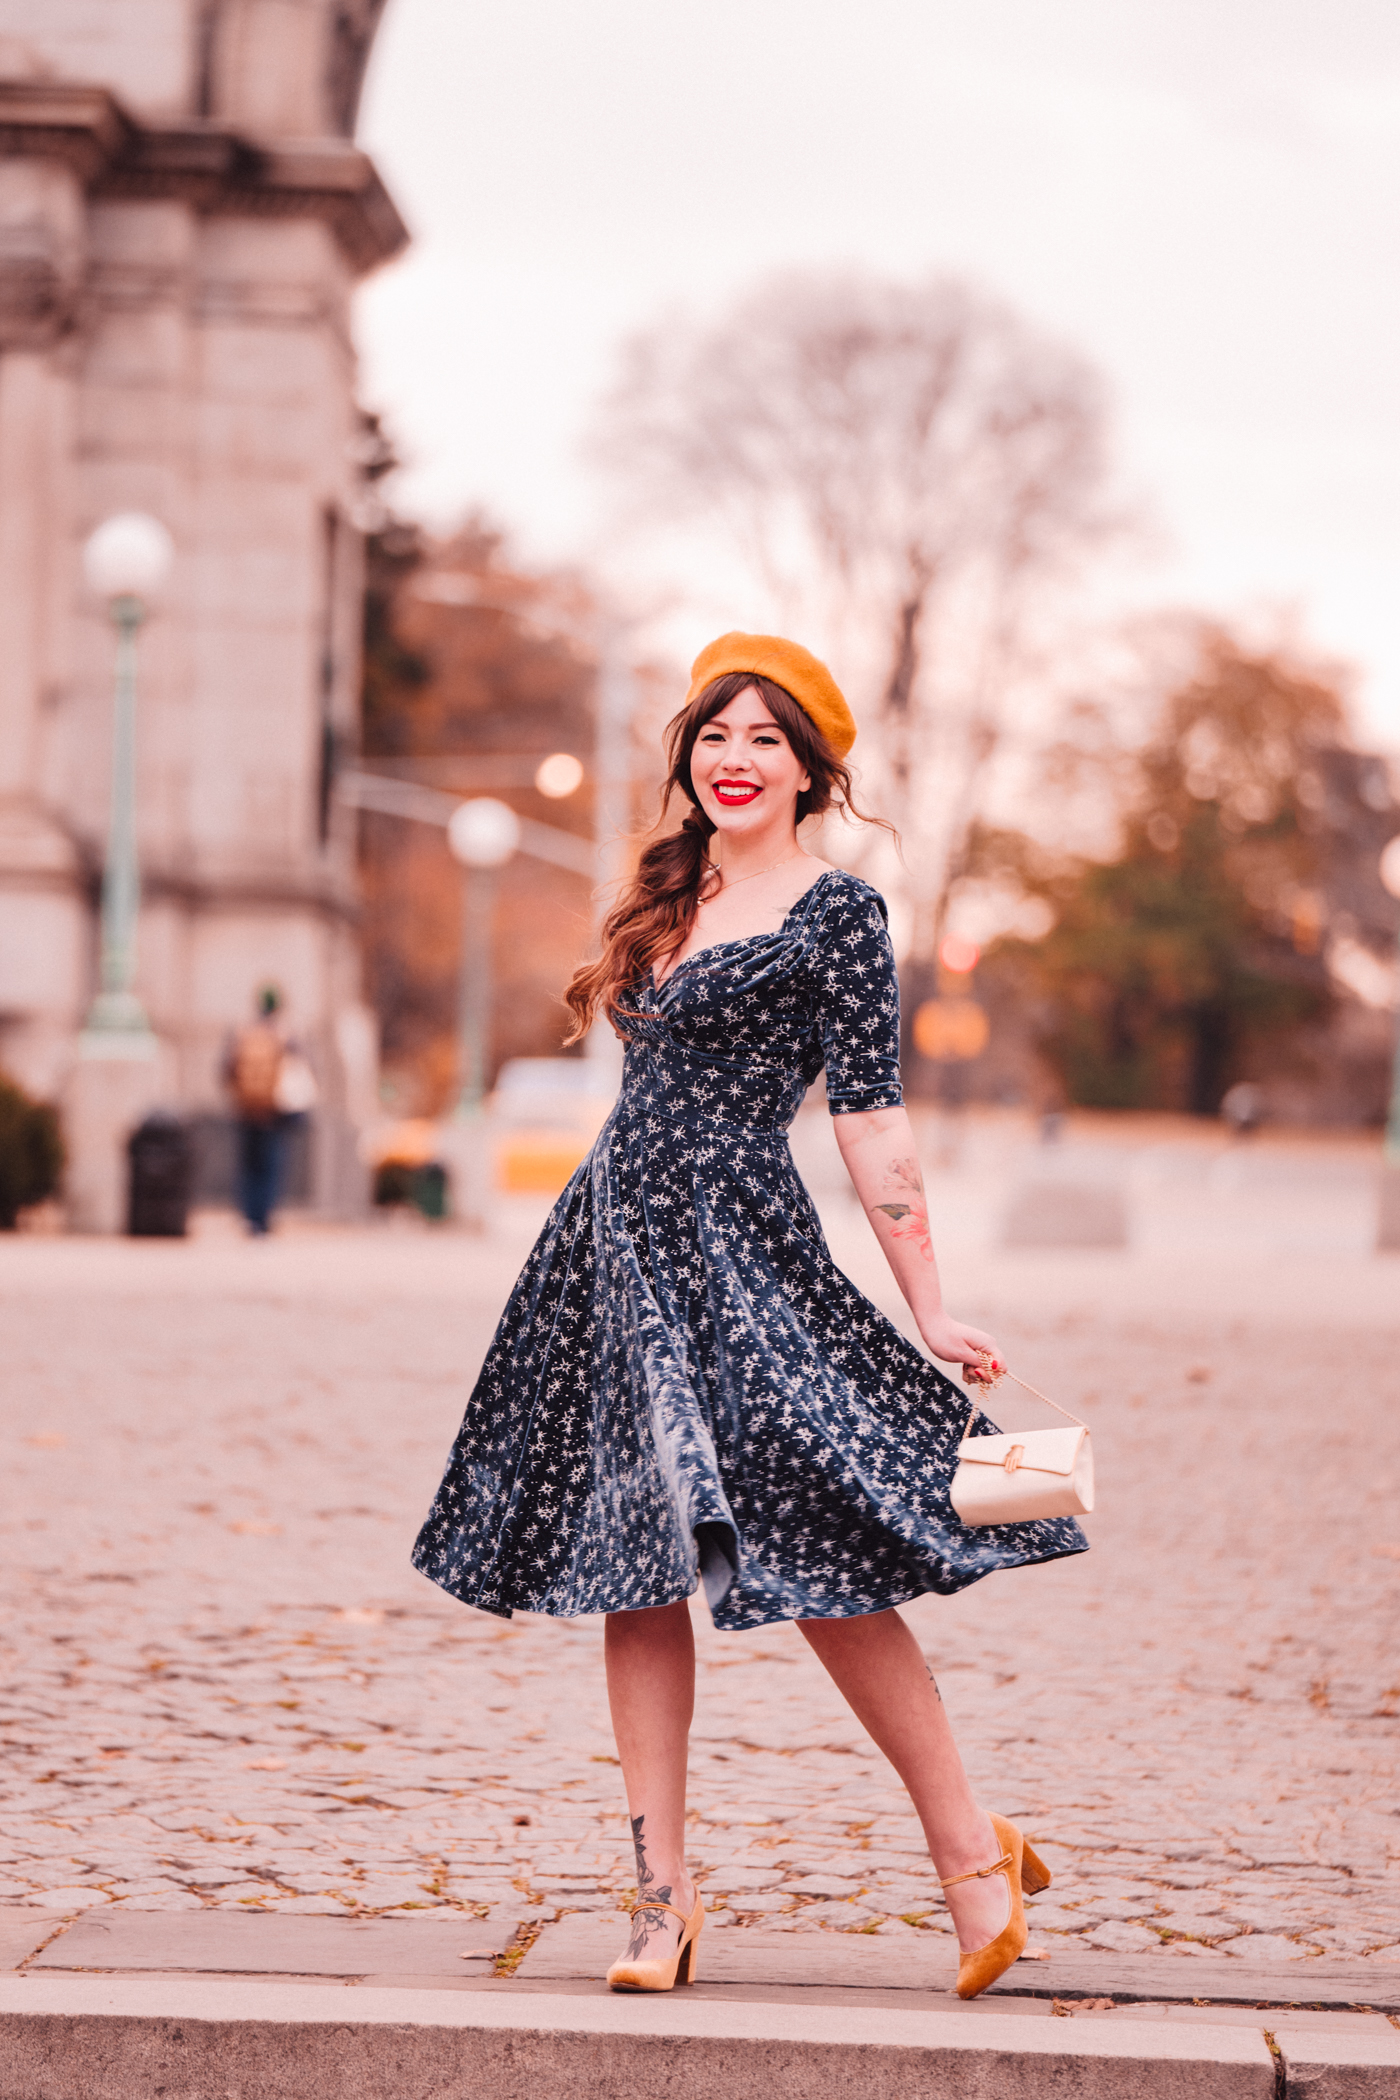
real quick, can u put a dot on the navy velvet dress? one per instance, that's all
(683, 1385)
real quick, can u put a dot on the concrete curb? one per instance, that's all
(1341, 2066)
(70, 2038)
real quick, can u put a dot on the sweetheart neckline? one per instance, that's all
(740, 940)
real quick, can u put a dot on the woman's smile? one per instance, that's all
(741, 759)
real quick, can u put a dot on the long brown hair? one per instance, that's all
(656, 911)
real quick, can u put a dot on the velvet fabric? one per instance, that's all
(683, 1385)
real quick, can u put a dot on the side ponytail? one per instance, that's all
(656, 912)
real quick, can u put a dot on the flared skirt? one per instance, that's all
(684, 1387)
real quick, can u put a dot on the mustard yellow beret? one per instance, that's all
(789, 665)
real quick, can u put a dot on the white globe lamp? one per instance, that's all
(483, 833)
(128, 556)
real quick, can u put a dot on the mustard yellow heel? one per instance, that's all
(640, 1974)
(1035, 1875)
(1024, 1870)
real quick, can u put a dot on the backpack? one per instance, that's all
(257, 1060)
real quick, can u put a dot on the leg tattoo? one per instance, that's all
(934, 1682)
(646, 1924)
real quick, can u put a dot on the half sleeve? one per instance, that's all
(858, 993)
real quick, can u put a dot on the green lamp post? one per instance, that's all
(482, 834)
(125, 561)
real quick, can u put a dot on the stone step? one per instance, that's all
(452, 1949)
(131, 2006)
(182, 2038)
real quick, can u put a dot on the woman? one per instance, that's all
(683, 1386)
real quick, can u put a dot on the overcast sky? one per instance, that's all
(1203, 196)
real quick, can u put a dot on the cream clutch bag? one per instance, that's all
(1010, 1479)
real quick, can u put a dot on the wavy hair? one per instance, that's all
(655, 913)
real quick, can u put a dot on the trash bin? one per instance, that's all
(158, 1188)
(430, 1189)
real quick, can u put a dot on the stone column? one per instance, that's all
(43, 930)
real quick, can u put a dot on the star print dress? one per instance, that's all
(683, 1386)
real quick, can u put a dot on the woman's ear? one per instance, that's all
(805, 784)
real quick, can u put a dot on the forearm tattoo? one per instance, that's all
(646, 1924)
(908, 1214)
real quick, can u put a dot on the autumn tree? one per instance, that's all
(1248, 839)
(905, 471)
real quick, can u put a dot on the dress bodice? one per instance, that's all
(738, 1031)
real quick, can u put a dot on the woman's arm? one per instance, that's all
(883, 1162)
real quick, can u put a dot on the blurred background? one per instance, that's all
(393, 398)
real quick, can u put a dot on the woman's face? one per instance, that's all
(744, 770)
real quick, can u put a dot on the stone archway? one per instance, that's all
(183, 220)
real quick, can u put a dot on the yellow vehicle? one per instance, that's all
(546, 1112)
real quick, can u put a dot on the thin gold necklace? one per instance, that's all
(799, 855)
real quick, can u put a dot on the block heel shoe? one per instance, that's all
(665, 1974)
(1024, 1871)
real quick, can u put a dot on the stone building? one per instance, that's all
(183, 220)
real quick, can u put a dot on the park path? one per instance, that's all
(223, 1685)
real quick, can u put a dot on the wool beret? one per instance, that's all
(787, 664)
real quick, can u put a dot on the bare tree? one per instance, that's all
(905, 470)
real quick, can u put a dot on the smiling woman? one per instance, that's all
(684, 1389)
(754, 762)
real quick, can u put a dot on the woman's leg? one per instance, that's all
(651, 1694)
(880, 1670)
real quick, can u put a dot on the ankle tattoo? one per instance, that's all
(646, 1924)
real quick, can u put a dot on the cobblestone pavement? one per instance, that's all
(224, 1686)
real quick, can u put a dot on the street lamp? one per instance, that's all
(482, 835)
(126, 561)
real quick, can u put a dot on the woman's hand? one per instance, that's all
(953, 1343)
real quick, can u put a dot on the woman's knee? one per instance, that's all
(651, 1622)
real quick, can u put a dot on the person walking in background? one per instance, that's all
(272, 1087)
(684, 1388)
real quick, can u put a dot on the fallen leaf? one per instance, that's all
(265, 1764)
(49, 1440)
(252, 1527)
